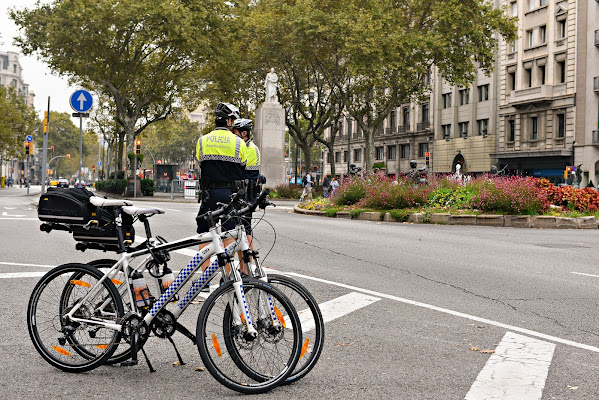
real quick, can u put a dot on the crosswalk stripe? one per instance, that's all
(21, 275)
(517, 370)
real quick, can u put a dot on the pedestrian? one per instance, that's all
(307, 188)
(334, 186)
(325, 187)
(9, 181)
(222, 157)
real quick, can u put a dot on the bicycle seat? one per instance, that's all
(134, 211)
(101, 202)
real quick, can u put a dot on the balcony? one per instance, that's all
(537, 94)
(596, 84)
(595, 138)
(422, 126)
(402, 129)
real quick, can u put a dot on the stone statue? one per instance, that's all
(270, 86)
(577, 177)
(496, 172)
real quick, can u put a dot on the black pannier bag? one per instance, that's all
(71, 210)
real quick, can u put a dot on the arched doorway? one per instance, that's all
(459, 159)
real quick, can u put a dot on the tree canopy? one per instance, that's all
(17, 120)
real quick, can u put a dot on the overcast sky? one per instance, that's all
(35, 73)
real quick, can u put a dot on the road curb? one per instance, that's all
(509, 221)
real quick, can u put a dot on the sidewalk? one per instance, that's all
(34, 190)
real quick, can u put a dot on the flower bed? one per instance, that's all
(490, 195)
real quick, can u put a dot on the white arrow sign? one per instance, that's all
(81, 100)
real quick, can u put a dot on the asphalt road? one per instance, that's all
(441, 299)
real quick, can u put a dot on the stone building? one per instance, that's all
(11, 75)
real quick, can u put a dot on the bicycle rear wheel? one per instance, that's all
(311, 320)
(65, 344)
(238, 360)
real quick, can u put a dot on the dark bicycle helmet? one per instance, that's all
(243, 124)
(226, 111)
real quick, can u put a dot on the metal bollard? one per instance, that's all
(173, 189)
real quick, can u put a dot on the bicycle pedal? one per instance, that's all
(129, 363)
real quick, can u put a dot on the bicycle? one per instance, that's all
(89, 318)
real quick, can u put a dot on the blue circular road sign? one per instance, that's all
(29, 138)
(81, 101)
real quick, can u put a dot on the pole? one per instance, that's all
(296, 150)
(27, 175)
(348, 155)
(45, 150)
(135, 175)
(80, 148)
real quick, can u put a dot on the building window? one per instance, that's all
(531, 4)
(406, 117)
(391, 152)
(349, 127)
(446, 129)
(542, 74)
(392, 120)
(482, 126)
(530, 38)
(446, 100)
(511, 80)
(345, 156)
(425, 117)
(464, 96)
(13, 83)
(561, 126)
(422, 149)
(511, 134)
(561, 29)
(357, 155)
(534, 131)
(543, 3)
(326, 160)
(405, 151)
(341, 128)
(528, 77)
(514, 8)
(483, 93)
(514, 46)
(337, 156)
(561, 71)
(463, 129)
(14, 68)
(543, 34)
(379, 153)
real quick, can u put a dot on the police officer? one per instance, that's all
(223, 157)
(243, 128)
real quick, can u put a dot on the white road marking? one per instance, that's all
(171, 209)
(580, 273)
(452, 312)
(22, 275)
(336, 308)
(5, 214)
(12, 218)
(9, 208)
(28, 265)
(517, 370)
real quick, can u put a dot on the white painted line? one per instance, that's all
(171, 209)
(22, 275)
(336, 308)
(517, 370)
(580, 273)
(451, 312)
(20, 219)
(28, 265)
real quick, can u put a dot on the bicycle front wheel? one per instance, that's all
(69, 345)
(238, 359)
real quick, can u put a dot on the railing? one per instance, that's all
(423, 126)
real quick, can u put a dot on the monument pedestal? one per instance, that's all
(269, 136)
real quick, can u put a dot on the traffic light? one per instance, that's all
(427, 158)
(69, 156)
(138, 146)
(567, 172)
(94, 168)
(45, 130)
(52, 147)
(27, 148)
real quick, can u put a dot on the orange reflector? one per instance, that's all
(242, 319)
(117, 282)
(62, 351)
(80, 283)
(102, 346)
(216, 345)
(305, 347)
(280, 317)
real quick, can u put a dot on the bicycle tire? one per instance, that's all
(310, 315)
(53, 337)
(248, 365)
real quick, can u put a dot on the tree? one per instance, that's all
(17, 120)
(173, 141)
(143, 54)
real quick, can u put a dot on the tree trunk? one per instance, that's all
(331, 158)
(119, 154)
(306, 148)
(369, 150)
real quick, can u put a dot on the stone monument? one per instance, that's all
(269, 134)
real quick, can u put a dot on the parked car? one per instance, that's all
(53, 182)
(62, 183)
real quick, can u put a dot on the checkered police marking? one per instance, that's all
(197, 286)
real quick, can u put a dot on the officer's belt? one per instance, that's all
(235, 185)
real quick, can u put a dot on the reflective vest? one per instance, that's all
(253, 163)
(222, 156)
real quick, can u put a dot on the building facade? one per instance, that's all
(11, 75)
(586, 147)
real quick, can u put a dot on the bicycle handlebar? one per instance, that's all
(210, 216)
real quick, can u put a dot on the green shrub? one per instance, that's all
(331, 211)
(116, 186)
(147, 187)
(287, 191)
(379, 165)
(401, 214)
(350, 192)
